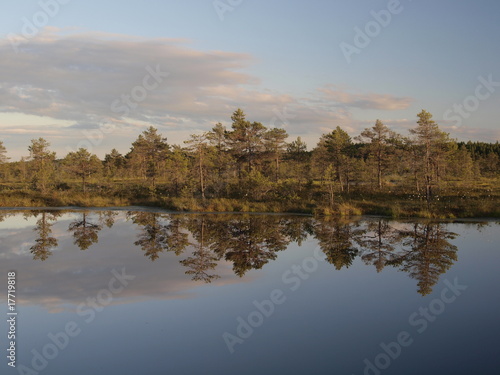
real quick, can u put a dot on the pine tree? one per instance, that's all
(380, 147)
(42, 163)
(275, 144)
(433, 144)
(246, 140)
(150, 152)
(82, 164)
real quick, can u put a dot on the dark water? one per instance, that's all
(138, 292)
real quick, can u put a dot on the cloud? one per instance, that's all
(366, 101)
(79, 77)
(82, 82)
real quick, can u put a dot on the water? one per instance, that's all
(144, 292)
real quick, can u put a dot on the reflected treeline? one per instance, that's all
(379, 243)
(337, 238)
(85, 231)
(44, 242)
(426, 254)
(247, 241)
(203, 260)
(422, 249)
(159, 233)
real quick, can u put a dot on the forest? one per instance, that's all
(251, 168)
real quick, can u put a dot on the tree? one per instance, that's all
(218, 139)
(434, 143)
(82, 164)
(246, 139)
(274, 141)
(42, 161)
(297, 150)
(177, 170)
(462, 165)
(113, 162)
(198, 144)
(379, 148)
(3, 156)
(150, 151)
(490, 164)
(298, 157)
(3, 153)
(336, 148)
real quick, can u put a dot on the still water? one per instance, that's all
(150, 292)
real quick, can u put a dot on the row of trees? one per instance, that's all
(423, 249)
(251, 161)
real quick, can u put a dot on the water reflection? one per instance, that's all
(84, 231)
(426, 253)
(422, 249)
(159, 233)
(203, 258)
(338, 238)
(41, 250)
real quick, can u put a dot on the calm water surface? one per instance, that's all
(141, 292)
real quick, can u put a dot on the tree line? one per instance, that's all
(252, 162)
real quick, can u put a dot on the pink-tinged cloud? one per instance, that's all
(82, 79)
(366, 101)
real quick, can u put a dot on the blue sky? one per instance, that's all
(281, 61)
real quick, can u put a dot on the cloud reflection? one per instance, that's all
(176, 253)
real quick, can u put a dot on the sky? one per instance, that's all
(95, 74)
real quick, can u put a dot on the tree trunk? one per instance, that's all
(277, 168)
(379, 175)
(202, 185)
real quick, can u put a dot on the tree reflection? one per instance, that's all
(203, 259)
(247, 241)
(378, 243)
(422, 249)
(84, 231)
(251, 241)
(427, 254)
(4, 215)
(41, 250)
(296, 228)
(337, 238)
(107, 218)
(157, 235)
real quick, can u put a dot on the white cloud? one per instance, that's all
(76, 79)
(366, 101)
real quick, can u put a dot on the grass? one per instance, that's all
(454, 202)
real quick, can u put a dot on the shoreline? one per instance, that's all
(158, 209)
